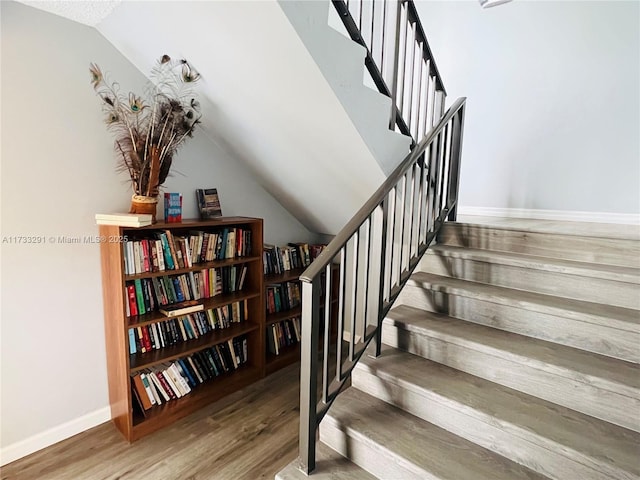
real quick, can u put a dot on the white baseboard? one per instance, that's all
(563, 215)
(53, 435)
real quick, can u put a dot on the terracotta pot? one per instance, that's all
(144, 204)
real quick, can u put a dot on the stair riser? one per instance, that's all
(599, 290)
(368, 456)
(609, 251)
(572, 332)
(518, 444)
(562, 390)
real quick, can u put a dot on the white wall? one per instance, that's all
(553, 117)
(266, 98)
(57, 172)
(341, 61)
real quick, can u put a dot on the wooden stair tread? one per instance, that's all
(596, 313)
(597, 370)
(523, 260)
(538, 421)
(586, 242)
(414, 445)
(551, 227)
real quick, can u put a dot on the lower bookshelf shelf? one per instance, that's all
(158, 417)
(139, 361)
(287, 356)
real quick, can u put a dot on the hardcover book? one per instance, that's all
(208, 202)
(142, 392)
(181, 308)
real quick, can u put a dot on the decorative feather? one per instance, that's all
(154, 172)
(148, 133)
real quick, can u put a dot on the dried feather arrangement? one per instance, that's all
(149, 132)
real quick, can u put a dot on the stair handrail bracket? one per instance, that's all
(348, 290)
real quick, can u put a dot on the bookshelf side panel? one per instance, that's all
(115, 322)
(257, 275)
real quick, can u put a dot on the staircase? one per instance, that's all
(341, 61)
(512, 352)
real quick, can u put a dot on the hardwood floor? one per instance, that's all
(251, 434)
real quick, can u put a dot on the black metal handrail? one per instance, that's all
(399, 60)
(373, 255)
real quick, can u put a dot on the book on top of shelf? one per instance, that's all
(181, 308)
(172, 207)
(208, 203)
(124, 219)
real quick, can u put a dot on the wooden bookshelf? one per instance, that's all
(289, 354)
(132, 420)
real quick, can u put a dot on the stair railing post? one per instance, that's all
(394, 75)
(454, 164)
(309, 374)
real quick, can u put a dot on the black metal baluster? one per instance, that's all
(385, 267)
(423, 196)
(327, 333)
(383, 67)
(367, 261)
(415, 82)
(402, 65)
(341, 294)
(373, 20)
(354, 297)
(415, 214)
(425, 93)
(397, 238)
(395, 71)
(411, 46)
(406, 228)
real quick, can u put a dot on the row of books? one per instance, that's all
(169, 332)
(283, 296)
(167, 251)
(150, 294)
(172, 380)
(283, 334)
(279, 259)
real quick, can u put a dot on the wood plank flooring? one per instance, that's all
(252, 434)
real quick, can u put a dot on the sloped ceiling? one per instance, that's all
(87, 12)
(263, 97)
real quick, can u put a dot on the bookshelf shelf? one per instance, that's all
(288, 276)
(284, 315)
(159, 417)
(208, 303)
(195, 268)
(140, 361)
(196, 362)
(287, 356)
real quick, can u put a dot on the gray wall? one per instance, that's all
(58, 170)
(553, 116)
